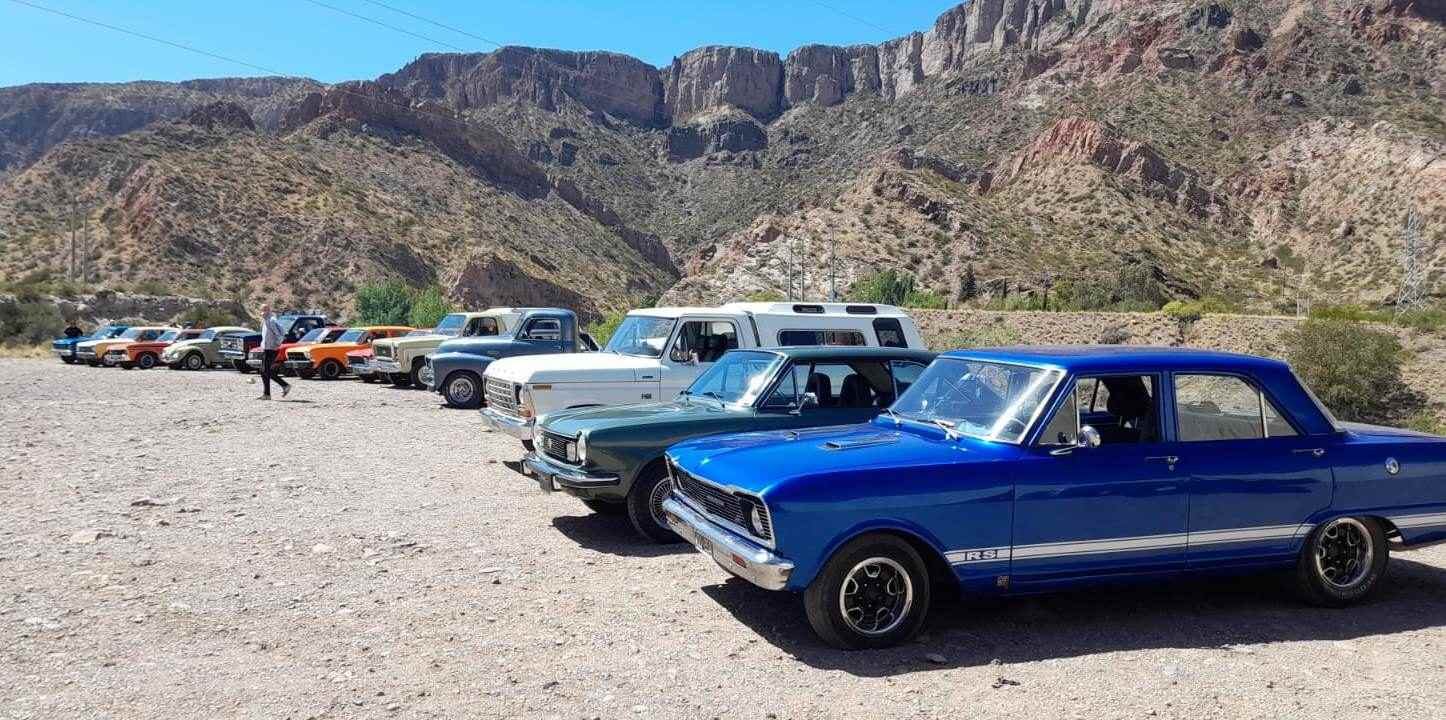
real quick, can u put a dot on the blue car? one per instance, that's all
(64, 348)
(1036, 469)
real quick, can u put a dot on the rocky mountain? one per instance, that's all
(1247, 150)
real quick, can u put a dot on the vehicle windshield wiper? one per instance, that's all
(895, 416)
(951, 429)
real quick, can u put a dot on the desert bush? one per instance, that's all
(603, 328)
(1426, 319)
(384, 303)
(1193, 310)
(1354, 369)
(429, 305)
(1427, 422)
(1137, 287)
(29, 322)
(205, 316)
(925, 300)
(764, 296)
(1352, 313)
(889, 287)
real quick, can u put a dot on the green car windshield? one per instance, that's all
(738, 378)
(988, 400)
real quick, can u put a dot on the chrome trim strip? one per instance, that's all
(1418, 521)
(1072, 548)
(572, 477)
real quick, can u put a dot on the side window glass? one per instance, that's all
(1218, 407)
(807, 338)
(890, 333)
(704, 341)
(1275, 423)
(1063, 428)
(905, 375)
(786, 395)
(544, 329)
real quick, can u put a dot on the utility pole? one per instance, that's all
(832, 269)
(71, 275)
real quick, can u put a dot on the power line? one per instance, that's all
(434, 23)
(850, 16)
(388, 26)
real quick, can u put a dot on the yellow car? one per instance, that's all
(92, 352)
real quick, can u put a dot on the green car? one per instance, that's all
(612, 457)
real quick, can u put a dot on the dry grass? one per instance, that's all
(33, 352)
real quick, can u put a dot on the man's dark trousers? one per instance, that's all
(268, 366)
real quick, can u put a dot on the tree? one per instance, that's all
(384, 303)
(429, 305)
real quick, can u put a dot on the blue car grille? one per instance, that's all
(721, 504)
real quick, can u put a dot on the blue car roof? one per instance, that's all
(1107, 357)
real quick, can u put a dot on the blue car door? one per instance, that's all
(1118, 508)
(1254, 476)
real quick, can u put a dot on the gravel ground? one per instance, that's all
(169, 547)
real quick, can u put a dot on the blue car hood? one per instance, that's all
(756, 462)
(475, 345)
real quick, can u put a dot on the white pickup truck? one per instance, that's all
(656, 352)
(402, 360)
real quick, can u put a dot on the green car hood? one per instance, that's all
(640, 418)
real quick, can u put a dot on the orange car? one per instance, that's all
(329, 361)
(146, 354)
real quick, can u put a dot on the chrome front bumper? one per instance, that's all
(296, 365)
(514, 426)
(731, 551)
(386, 365)
(552, 476)
(252, 362)
(111, 360)
(362, 368)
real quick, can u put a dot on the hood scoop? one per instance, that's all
(863, 442)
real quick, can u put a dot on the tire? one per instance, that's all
(1341, 561)
(146, 361)
(415, 376)
(401, 380)
(330, 369)
(241, 367)
(68, 360)
(645, 505)
(605, 507)
(194, 361)
(463, 390)
(369, 378)
(894, 600)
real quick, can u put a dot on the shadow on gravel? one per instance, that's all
(613, 534)
(1202, 614)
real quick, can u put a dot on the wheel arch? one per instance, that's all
(941, 573)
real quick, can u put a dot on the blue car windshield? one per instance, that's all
(987, 400)
(737, 378)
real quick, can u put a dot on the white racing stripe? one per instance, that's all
(1418, 521)
(1142, 543)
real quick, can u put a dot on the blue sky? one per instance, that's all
(298, 37)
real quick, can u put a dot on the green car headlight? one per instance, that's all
(581, 448)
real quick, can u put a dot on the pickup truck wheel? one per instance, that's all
(401, 380)
(1341, 561)
(67, 360)
(415, 376)
(330, 369)
(645, 505)
(463, 390)
(873, 593)
(605, 507)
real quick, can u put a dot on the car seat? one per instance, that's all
(822, 388)
(855, 392)
(1133, 409)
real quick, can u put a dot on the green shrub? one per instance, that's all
(603, 328)
(30, 322)
(1352, 313)
(1426, 422)
(384, 303)
(1427, 319)
(764, 296)
(429, 305)
(1354, 369)
(996, 335)
(1192, 310)
(889, 287)
(925, 300)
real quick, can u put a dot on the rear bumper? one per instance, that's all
(516, 427)
(552, 476)
(732, 552)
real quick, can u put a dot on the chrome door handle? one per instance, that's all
(1170, 460)
(1314, 452)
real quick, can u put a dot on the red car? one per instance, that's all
(146, 354)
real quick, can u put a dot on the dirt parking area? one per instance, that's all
(172, 548)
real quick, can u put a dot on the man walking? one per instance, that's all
(271, 334)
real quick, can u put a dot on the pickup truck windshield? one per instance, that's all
(451, 325)
(641, 335)
(738, 378)
(992, 401)
(131, 334)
